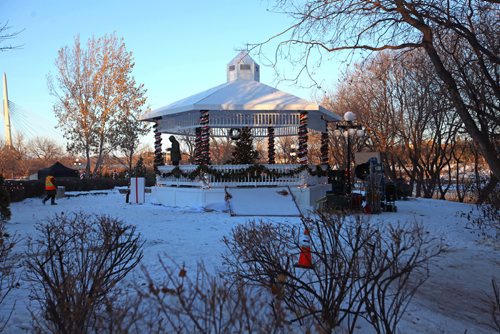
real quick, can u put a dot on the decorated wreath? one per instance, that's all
(235, 133)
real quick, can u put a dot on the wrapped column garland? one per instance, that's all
(324, 148)
(270, 146)
(303, 138)
(158, 160)
(197, 146)
(205, 132)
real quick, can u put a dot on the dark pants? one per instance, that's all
(52, 195)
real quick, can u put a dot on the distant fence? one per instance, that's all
(21, 189)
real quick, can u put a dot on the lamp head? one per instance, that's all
(349, 116)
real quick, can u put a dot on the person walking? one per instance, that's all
(50, 189)
(175, 151)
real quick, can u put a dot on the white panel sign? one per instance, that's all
(137, 187)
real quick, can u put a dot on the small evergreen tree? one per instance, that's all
(243, 152)
(4, 201)
(139, 169)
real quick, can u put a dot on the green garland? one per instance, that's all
(254, 172)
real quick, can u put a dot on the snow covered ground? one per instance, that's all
(453, 300)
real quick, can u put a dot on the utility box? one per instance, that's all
(137, 190)
(61, 192)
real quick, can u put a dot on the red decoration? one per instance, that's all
(303, 138)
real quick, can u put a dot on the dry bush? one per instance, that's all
(73, 266)
(121, 312)
(8, 278)
(200, 302)
(487, 218)
(395, 264)
(360, 270)
(495, 305)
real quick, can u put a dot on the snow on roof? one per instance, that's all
(241, 95)
(241, 92)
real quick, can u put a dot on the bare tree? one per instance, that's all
(14, 160)
(6, 35)
(188, 142)
(285, 151)
(221, 150)
(129, 130)
(408, 117)
(369, 25)
(95, 93)
(45, 149)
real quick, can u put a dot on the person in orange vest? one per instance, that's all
(50, 188)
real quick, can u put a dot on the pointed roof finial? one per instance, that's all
(243, 67)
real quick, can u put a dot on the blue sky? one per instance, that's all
(180, 47)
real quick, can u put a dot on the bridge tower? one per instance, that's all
(6, 113)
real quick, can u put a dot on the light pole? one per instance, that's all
(349, 128)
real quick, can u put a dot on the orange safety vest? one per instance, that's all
(49, 183)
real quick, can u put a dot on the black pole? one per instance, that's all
(348, 167)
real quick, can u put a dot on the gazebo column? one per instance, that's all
(158, 160)
(197, 146)
(324, 146)
(205, 138)
(270, 146)
(303, 138)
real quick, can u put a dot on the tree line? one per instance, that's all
(409, 119)
(454, 45)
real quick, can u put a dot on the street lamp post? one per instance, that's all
(77, 163)
(349, 128)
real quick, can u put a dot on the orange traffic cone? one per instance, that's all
(305, 258)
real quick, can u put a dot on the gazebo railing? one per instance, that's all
(301, 179)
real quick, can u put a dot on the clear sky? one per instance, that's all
(180, 47)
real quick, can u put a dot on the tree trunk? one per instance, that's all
(481, 138)
(488, 189)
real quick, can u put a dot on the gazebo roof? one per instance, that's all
(241, 95)
(242, 101)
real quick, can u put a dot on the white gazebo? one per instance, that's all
(242, 102)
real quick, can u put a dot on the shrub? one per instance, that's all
(73, 267)
(199, 302)
(486, 216)
(8, 278)
(359, 269)
(4, 201)
(495, 305)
